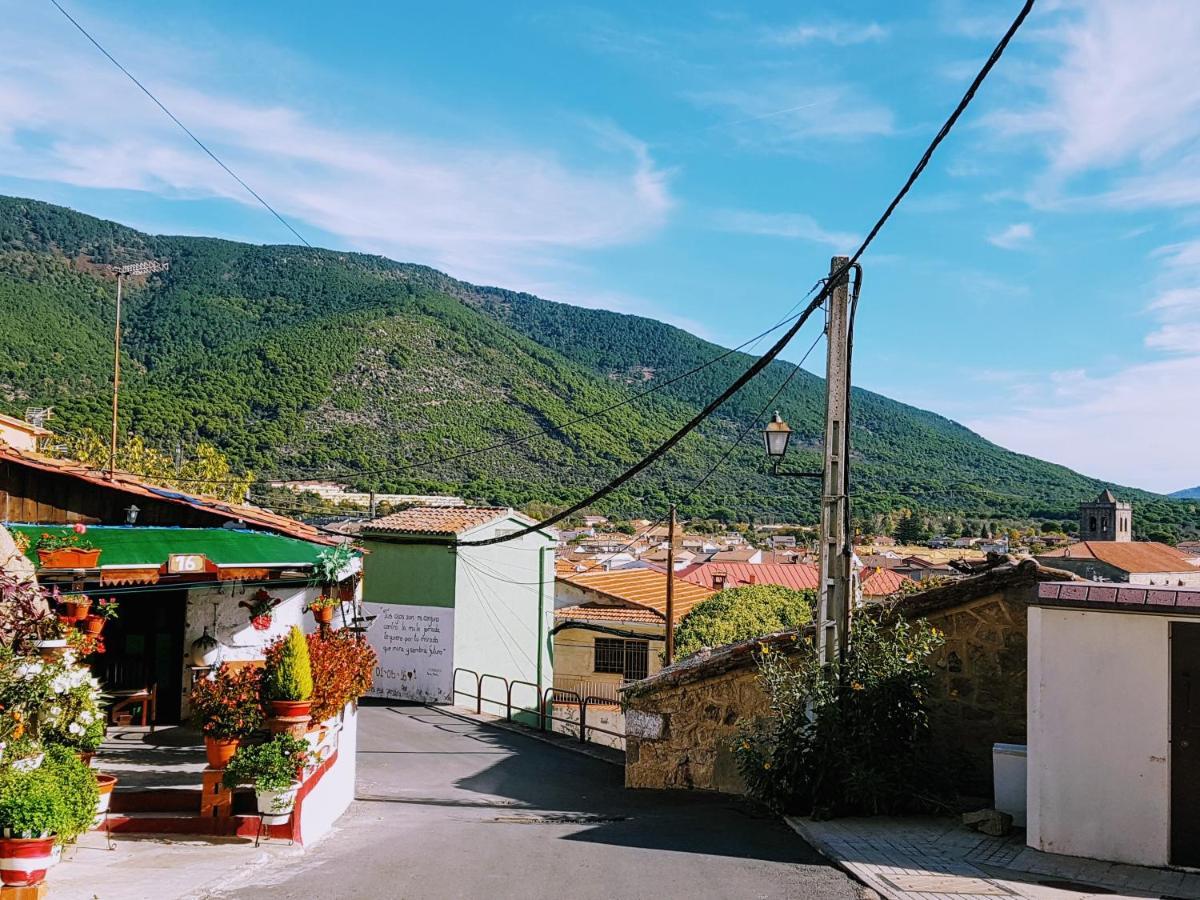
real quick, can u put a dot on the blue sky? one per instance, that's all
(697, 163)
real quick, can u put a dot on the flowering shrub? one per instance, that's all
(342, 667)
(84, 643)
(850, 739)
(226, 704)
(74, 717)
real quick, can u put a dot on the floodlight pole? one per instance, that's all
(142, 268)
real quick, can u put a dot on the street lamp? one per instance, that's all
(142, 268)
(776, 437)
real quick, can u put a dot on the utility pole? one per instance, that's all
(142, 268)
(670, 651)
(833, 607)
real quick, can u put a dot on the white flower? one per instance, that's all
(75, 728)
(56, 710)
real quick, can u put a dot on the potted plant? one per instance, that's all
(322, 608)
(274, 770)
(32, 810)
(80, 791)
(261, 608)
(226, 707)
(66, 551)
(328, 568)
(288, 680)
(342, 667)
(74, 606)
(105, 609)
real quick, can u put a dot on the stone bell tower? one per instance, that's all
(1106, 519)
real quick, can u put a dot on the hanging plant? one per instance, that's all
(261, 607)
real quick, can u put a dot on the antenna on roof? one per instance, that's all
(37, 415)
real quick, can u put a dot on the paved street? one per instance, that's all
(450, 808)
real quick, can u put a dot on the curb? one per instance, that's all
(571, 745)
(866, 892)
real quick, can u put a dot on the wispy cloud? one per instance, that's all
(793, 226)
(837, 33)
(491, 209)
(1017, 235)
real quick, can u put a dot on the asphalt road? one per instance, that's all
(449, 808)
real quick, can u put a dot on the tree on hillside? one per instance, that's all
(911, 530)
(740, 613)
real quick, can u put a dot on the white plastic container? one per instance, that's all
(1008, 780)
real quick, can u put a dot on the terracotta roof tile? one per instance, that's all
(881, 582)
(134, 486)
(597, 612)
(643, 587)
(798, 577)
(437, 519)
(1128, 556)
(1121, 597)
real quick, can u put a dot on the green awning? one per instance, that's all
(134, 546)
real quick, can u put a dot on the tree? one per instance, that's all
(740, 613)
(911, 530)
(983, 531)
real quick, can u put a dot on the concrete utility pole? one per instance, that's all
(833, 607)
(142, 268)
(670, 649)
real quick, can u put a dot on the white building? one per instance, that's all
(1114, 723)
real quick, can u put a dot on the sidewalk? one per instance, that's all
(940, 859)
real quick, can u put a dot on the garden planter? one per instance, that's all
(276, 807)
(346, 592)
(296, 726)
(68, 558)
(51, 650)
(24, 861)
(93, 624)
(291, 708)
(76, 612)
(220, 751)
(323, 615)
(105, 783)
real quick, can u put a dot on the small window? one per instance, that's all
(1092, 524)
(629, 659)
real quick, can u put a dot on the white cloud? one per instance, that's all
(487, 208)
(838, 33)
(1131, 426)
(794, 226)
(1019, 234)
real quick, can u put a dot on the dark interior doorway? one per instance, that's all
(144, 648)
(1185, 744)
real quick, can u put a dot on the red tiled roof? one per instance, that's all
(642, 587)
(1121, 597)
(437, 519)
(881, 582)
(134, 486)
(598, 612)
(1128, 556)
(798, 577)
(735, 556)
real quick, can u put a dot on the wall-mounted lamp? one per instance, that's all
(131, 514)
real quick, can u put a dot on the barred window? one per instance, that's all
(629, 659)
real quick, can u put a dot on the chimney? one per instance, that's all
(718, 580)
(752, 579)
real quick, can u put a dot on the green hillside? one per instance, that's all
(313, 363)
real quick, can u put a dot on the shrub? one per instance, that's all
(228, 704)
(31, 803)
(850, 739)
(77, 785)
(342, 666)
(71, 713)
(741, 613)
(272, 766)
(289, 671)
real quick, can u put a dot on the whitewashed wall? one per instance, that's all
(1098, 781)
(335, 791)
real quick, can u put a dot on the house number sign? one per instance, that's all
(186, 563)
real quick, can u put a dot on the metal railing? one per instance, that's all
(544, 710)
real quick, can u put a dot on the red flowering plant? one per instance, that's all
(226, 704)
(85, 643)
(342, 667)
(261, 606)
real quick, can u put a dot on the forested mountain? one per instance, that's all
(1186, 494)
(302, 362)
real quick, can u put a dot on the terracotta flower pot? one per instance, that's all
(68, 558)
(105, 784)
(296, 726)
(291, 709)
(323, 615)
(93, 624)
(76, 612)
(24, 861)
(220, 751)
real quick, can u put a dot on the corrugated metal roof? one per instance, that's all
(644, 587)
(150, 547)
(450, 520)
(134, 486)
(798, 577)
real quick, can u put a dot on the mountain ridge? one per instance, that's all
(306, 361)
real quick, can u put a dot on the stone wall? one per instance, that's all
(696, 723)
(979, 691)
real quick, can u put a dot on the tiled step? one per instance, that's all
(171, 800)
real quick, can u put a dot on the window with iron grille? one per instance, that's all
(629, 659)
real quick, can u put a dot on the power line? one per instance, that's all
(199, 143)
(779, 345)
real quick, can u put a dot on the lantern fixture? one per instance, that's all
(776, 437)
